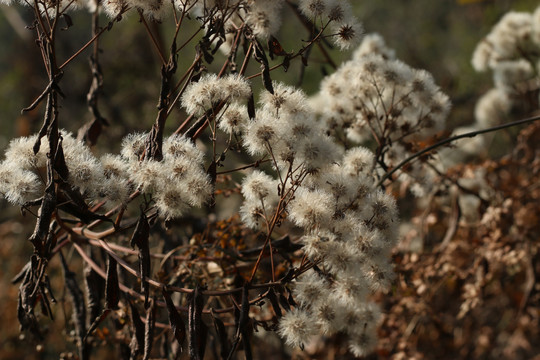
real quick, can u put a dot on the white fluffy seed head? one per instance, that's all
(85, 170)
(115, 167)
(511, 38)
(171, 203)
(133, 146)
(510, 75)
(257, 186)
(115, 191)
(20, 151)
(285, 98)
(114, 7)
(493, 108)
(199, 189)
(313, 8)
(347, 33)
(176, 146)
(374, 44)
(310, 208)
(260, 134)
(363, 344)
(317, 243)
(154, 9)
(358, 160)
(263, 17)
(297, 327)
(204, 94)
(233, 119)
(18, 186)
(148, 174)
(311, 288)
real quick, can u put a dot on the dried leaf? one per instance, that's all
(304, 60)
(91, 131)
(271, 295)
(286, 63)
(69, 22)
(177, 324)
(260, 57)
(73, 203)
(283, 302)
(26, 303)
(140, 239)
(243, 323)
(222, 336)
(112, 288)
(197, 335)
(212, 172)
(149, 329)
(275, 47)
(290, 298)
(60, 165)
(136, 345)
(98, 320)
(79, 309)
(21, 275)
(251, 107)
(94, 287)
(46, 211)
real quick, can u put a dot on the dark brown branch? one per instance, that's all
(451, 139)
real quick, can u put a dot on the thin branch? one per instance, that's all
(454, 138)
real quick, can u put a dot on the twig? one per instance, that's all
(454, 138)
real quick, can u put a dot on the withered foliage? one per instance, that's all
(475, 296)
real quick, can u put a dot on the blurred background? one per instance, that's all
(438, 36)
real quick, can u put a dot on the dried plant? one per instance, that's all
(261, 212)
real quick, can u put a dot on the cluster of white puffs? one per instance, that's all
(262, 16)
(377, 99)
(177, 183)
(375, 94)
(511, 51)
(349, 225)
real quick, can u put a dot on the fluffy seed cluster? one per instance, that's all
(349, 226)
(263, 17)
(350, 229)
(19, 182)
(377, 99)
(345, 28)
(284, 129)
(176, 183)
(210, 90)
(512, 52)
(377, 95)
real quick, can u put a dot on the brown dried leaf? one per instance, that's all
(136, 345)
(149, 329)
(177, 324)
(197, 333)
(140, 239)
(112, 292)
(79, 309)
